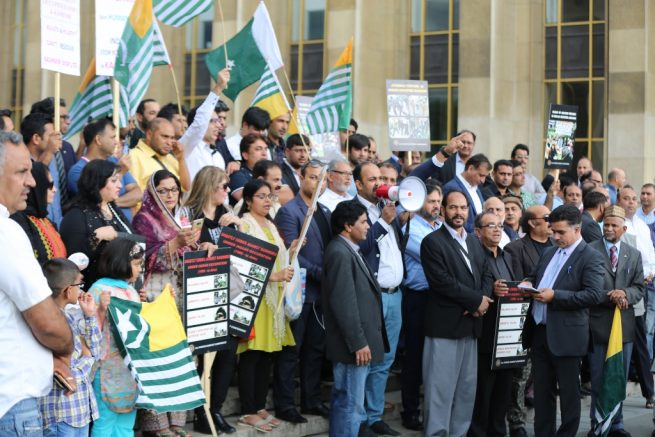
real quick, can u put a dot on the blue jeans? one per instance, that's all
(650, 318)
(347, 404)
(23, 419)
(376, 382)
(62, 429)
(596, 363)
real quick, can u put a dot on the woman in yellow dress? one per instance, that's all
(271, 327)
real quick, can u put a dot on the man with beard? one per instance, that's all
(381, 249)
(502, 177)
(295, 157)
(275, 139)
(450, 160)
(460, 284)
(339, 177)
(145, 113)
(415, 297)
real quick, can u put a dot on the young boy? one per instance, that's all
(64, 413)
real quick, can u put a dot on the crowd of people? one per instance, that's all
(384, 288)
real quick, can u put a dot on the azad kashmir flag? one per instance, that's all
(177, 13)
(140, 49)
(153, 343)
(612, 392)
(94, 101)
(248, 53)
(332, 106)
(269, 95)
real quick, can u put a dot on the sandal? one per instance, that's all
(179, 431)
(261, 425)
(269, 418)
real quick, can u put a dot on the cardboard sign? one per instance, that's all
(111, 16)
(508, 352)
(253, 259)
(60, 36)
(560, 136)
(408, 110)
(206, 299)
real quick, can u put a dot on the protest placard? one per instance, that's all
(111, 16)
(560, 136)
(512, 311)
(408, 111)
(60, 36)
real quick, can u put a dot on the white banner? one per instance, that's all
(60, 36)
(111, 16)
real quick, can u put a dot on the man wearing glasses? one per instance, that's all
(339, 177)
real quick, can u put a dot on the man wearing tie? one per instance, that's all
(569, 279)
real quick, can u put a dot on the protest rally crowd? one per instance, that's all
(385, 288)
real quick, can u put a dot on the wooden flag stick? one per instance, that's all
(177, 89)
(116, 117)
(57, 117)
(295, 105)
(208, 361)
(220, 17)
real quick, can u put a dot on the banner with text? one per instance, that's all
(512, 310)
(111, 16)
(253, 259)
(206, 299)
(408, 110)
(60, 36)
(560, 136)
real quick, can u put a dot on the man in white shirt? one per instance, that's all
(647, 199)
(32, 328)
(339, 177)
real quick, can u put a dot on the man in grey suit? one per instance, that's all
(569, 279)
(623, 287)
(355, 333)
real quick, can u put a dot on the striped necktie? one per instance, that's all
(63, 184)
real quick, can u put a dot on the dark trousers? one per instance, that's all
(411, 378)
(641, 360)
(492, 397)
(310, 350)
(222, 370)
(550, 373)
(254, 378)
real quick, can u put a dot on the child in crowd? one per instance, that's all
(65, 413)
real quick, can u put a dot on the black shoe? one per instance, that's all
(221, 424)
(518, 432)
(365, 431)
(319, 410)
(200, 423)
(381, 428)
(412, 422)
(619, 433)
(291, 415)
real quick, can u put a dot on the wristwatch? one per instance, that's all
(443, 152)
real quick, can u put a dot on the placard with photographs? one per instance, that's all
(408, 110)
(253, 259)
(508, 352)
(206, 299)
(560, 136)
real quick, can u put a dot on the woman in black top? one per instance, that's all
(94, 219)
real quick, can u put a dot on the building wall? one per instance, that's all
(501, 91)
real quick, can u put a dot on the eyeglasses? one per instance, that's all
(215, 120)
(166, 191)
(492, 226)
(222, 186)
(265, 196)
(546, 217)
(51, 185)
(342, 173)
(81, 285)
(65, 117)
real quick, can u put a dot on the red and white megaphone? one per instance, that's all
(410, 193)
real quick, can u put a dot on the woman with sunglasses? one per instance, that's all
(169, 235)
(43, 235)
(94, 219)
(271, 327)
(115, 389)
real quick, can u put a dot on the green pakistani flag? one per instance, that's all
(153, 343)
(612, 392)
(179, 12)
(248, 53)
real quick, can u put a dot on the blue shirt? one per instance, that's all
(648, 218)
(238, 180)
(419, 228)
(76, 171)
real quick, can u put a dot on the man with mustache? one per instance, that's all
(460, 284)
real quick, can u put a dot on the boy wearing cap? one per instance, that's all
(66, 413)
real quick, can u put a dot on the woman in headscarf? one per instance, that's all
(43, 235)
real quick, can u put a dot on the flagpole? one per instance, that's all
(220, 17)
(177, 89)
(208, 361)
(116, 118)
(295, 105)
(57, 119)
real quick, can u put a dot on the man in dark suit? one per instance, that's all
(569, 278)
(460, 284)
(307, 329)
(525, 254)
(492, 395)
(355, 332)
(469, 182)
(295, 156)
(623, 287)
(594, 207)
(449, 161)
